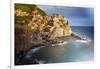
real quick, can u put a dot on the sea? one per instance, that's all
(74, 50)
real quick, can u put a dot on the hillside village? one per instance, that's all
(35, 29)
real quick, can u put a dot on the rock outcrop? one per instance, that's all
(35, 28)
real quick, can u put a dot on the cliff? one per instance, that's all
(33, 27)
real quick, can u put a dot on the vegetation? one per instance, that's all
(28, 8)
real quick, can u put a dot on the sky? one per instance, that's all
(77, 16)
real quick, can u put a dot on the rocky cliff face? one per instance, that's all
(60, 26)
(35, 29)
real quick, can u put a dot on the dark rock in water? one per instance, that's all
(77, 36)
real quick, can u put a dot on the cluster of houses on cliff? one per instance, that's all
(50, 26)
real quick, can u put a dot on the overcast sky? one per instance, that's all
(77, 16)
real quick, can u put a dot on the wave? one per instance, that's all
(83, 41)
(32, 51)
(59, 44)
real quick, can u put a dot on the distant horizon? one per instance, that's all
(77, 16)
(80, 26)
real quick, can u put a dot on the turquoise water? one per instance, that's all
(75, 50)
